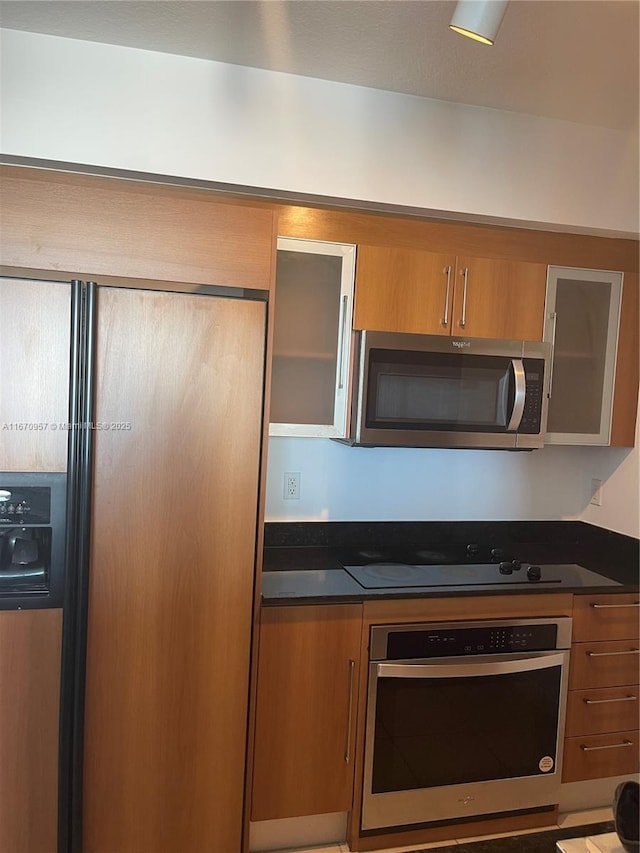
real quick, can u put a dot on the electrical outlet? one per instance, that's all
(596, 492)
(291, 488)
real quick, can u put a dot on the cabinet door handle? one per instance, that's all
(343, 342)
(607, 746)
(463, 319)
(347, 750)
(609, 701)
(612, 654)
(554, 317)
(611, 606)
(445, 319)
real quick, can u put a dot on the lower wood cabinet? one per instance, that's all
(601, 733)
(306, 707)
(30, 642)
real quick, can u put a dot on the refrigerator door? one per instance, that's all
(177, 419)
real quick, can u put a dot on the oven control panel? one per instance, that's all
(466, 640)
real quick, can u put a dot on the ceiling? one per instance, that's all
(565, 59)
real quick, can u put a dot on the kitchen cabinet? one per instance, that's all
(601, 732)
(582, 322)
(171, 570)
(411, 290)
(34, 330)
(311, 338)
(30, 642)
(308, 674)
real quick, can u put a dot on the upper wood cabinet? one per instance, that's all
(306, 709)
(408, 290)
(35, 321)
(404, 290)
(131, 229)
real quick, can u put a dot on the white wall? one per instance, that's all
(75, 101)
(340, 483)
(122, 108)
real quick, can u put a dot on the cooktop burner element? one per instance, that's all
(474, 575)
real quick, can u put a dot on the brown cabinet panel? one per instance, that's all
(606, 617)
(603, 664)
(30, 642)
(305, 724)
(99, 227)
(504, 299)
(599, 756)
(171, 571)
(625, 395)
(408, 290)
(403, 290)
(35, 322)
(591, 712)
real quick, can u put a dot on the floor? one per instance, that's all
(528, 841)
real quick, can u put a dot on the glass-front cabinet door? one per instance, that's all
(311, 340)
(581, 321)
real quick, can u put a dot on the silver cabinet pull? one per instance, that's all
(554, 317)
(612, 606)
(347, 751)
(463, 319)
(612, 654)
(607, 746)
(343, 342)
(609, 701)
(445, 319)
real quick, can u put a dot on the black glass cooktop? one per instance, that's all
(395, 575)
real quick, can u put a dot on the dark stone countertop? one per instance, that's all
(303, 561)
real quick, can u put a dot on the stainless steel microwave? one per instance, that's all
(440, 391)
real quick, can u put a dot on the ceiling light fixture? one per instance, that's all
(478, 19)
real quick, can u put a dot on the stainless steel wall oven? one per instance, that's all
(464, 719)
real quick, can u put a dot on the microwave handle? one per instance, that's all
(520, 394)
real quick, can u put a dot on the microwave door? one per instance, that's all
(520, 393)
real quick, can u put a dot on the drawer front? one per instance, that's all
(599, 756)
(606, 617)
(604, 664)
(593, 712)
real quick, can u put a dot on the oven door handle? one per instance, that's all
(467, 667)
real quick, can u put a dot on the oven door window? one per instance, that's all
(431, 732)
(441, 391)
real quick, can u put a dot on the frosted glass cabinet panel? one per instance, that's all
(311, 340)
(581, 321)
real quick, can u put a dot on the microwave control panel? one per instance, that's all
(534, 378)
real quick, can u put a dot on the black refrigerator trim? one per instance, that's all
(74, 633)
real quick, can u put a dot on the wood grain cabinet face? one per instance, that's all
(601, 733)
(30, 642)
(407, 290)
(171, 571)
(35, 319)
(305, 720)
(404, 290)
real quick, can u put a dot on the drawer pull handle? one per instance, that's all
(611, 606)
(612, 654)
(608, 701)
(607, 746)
